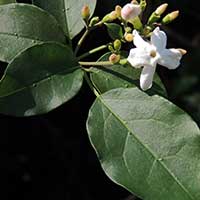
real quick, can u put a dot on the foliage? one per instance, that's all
(143, 141)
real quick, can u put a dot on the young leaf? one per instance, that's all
(114, 31)
(7, 1)
(24, 25)
(146, 144)
(40, 79)
(67, 13)
(106, 78)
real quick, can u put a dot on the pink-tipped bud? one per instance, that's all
(114, 58)
(170, 17)
(130, 11)
(161, 9)
(118, 10)
(85, 12)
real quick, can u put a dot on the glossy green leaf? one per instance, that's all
(114, 31)
(2, 2)
(106, 78)
(146, 144)
(24, 25)
(40, 79)
(67, 12)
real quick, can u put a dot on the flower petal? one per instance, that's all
(140, 57)
(159, 39)
(170, 58)
(130, 11)
(138, 40)
(146, 77)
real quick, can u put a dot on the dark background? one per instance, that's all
(49, 157)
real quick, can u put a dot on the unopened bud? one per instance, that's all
(118, 10)
(155, 16)
(182, 51)
(170, 17)
(128, 29)
(161, 9)
(117, 45)
(110, 17)
(134, 2)
(85, 12)
(110, 47)
(94, 21)
(128, 37)
(143, 4)
(130, 11)
(114, 58)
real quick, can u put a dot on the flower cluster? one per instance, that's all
(148, 54)
(150, 42)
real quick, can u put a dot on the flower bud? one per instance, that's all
(85, 12)
(128, 29)
(128, 37)
(118, 10)
(114, 58)
(94, 21)
(170, 17)
(155, 16)
(130, 11)
(117, 45)
(110, 47)
(110, 17)
(161, 9)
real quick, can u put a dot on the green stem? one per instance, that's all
(102, 63)
(91, 85)
(81, 40)
(87, 31)
(137, 23)
(93, 51)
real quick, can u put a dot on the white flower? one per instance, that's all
(130, 11)
(148, 54)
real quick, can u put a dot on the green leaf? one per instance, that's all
(40, 79)
(67, 12)
(114, 31)
(109, 77)
(24, 25)
(7, 1)
(146, 144)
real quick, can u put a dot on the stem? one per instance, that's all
(137, 23)
(93, 51)
(87, 31)
(95, 63)
(81, 40)
(91, 85)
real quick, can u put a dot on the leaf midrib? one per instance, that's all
(66, 19)
(41, 80)
(145, 147)
(22, 36)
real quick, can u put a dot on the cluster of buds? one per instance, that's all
(156, 15)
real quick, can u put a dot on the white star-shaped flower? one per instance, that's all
(148, 54)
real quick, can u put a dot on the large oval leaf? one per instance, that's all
(67, 12)
(109, 77)
(7, 1)
(24, 25)
(40, 79)
(146, 144)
